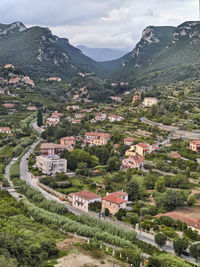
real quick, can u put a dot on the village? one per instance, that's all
(113, 161)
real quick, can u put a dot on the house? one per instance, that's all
(56, 115)
(79, 116)
(150, 101)
(100, 117)
(130, 152)
(51, 122)
(55, 79)
(9, 66)
(140, 149)
(136, 98)
(116, 98)
(47, 149)
(5, 130)
(132, 163)
(175, 155)
(114, 202)
(81, 200)
(123, 83)
(96, 139)
(195, 146)
(14, 80)
(51, 164)
(69, 142)
(75, 107)
(129, 141)
(75, 121)
(8, 105)
(177, 216)
(32, 108)
(76, 97)
(27, 80)
(113, 118)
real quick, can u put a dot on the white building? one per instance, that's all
(81, 200)
(150, 101)
(51, 164)
(113, 118)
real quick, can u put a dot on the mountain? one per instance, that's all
(153, 40)
(40, 54)
(102, 54)
(164, 54)
(81, 60)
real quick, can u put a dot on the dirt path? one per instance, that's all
(81, 260)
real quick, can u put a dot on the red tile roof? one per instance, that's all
(51, 146)
(114, 199)
(103, 135)
(130, 139)
(119, 194)
(143, 145)
(175, 155)
(68, 138)
(176, 216)
(196, 142)
(85, 194)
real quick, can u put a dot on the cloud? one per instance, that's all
(99, 23)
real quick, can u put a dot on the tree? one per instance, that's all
(195, 251)
(39, 118)
(160, 185)
(171, 199)
(180, 245)
(107, 212)
(160, 240)
(113, 164)
(133, 190)
(82, 169)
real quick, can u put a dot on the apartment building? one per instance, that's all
(51, 165)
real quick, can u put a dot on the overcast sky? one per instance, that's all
(99, 23)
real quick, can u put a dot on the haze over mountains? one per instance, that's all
(163, 54)
(102, 54)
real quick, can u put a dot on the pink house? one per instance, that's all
(132, 163)
(129, 141)
(47, 149)
(69, 142)
(5, 130)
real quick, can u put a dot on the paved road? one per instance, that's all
(25, 175)
(176, 130)
(13, 192)
(38, 129)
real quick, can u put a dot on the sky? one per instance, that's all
(99, 23)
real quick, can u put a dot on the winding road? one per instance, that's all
(175, 130)
(26, 176)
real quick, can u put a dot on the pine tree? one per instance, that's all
(39, 118)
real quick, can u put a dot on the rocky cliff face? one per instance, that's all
(11, 28)
(153, 40)
(187, 32)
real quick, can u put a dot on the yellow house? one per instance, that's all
(142, 149)
(130, 152)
